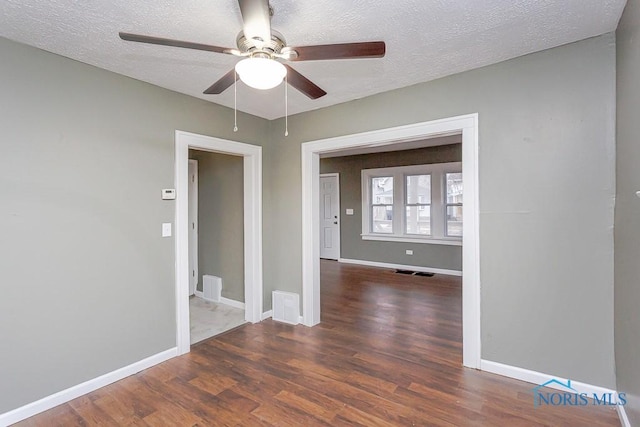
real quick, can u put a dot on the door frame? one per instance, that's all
(467, 125)
(193, 207)
(337, 176)
(252, 172)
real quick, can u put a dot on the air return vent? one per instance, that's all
(286, 307)
(211, 288)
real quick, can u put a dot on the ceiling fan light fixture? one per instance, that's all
(261, 73)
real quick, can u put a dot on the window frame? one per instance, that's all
(438, 204)
(447, 204)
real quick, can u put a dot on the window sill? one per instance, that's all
(450, 241)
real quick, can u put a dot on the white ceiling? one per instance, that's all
(426, 39)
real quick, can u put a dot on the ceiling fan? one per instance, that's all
(264, 48)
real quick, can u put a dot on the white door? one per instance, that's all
(193, 226)
(329, 216)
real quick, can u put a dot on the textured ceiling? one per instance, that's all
(426, 39)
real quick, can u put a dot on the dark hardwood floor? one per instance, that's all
(387, 353)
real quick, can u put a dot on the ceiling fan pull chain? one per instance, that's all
(286, 106)
(235, 102)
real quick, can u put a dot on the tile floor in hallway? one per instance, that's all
(209, 319)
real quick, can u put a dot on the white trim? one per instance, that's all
(223, 300)
(471, 284)
(193, 242)
(232, 303)
(337, 176)
(406, 239)
(252, 156)
(401, 266)
(622, 414)
(269, 314)
(81, 389)
(538, 378)
(310, 153)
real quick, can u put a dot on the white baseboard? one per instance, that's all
(401, 267)
(231, 302)
(622, 414)
(71, 393)
(538, 378)
(223, 300)
(200, 295)
(268, 314)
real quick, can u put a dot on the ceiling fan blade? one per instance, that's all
(223, 84)
(256, 18)
(337, 51)
(303, 84)
(170, 42)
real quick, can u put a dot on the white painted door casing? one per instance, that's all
(193, 226)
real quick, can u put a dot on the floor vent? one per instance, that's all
(286, 307)
(415, 273)
(211, 288)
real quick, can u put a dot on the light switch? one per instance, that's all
(166, 229)
(349, 212)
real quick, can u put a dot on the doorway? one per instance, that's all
(252, 226)
(215, 244)
(330, 216)
(466, 125)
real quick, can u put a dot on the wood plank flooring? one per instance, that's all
(387, 353)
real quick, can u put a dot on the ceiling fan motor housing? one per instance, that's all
(254, 47)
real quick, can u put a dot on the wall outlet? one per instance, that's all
(409, 252)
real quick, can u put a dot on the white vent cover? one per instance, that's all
(286, 307)
(211, 288)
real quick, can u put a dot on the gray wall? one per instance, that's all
(627, 220)
(546, 165)
(221, 220)
(351, 243)
(86, 280)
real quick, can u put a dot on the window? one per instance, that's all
(413, 203)
(454, 204)
(418, 205)
(382, 204)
